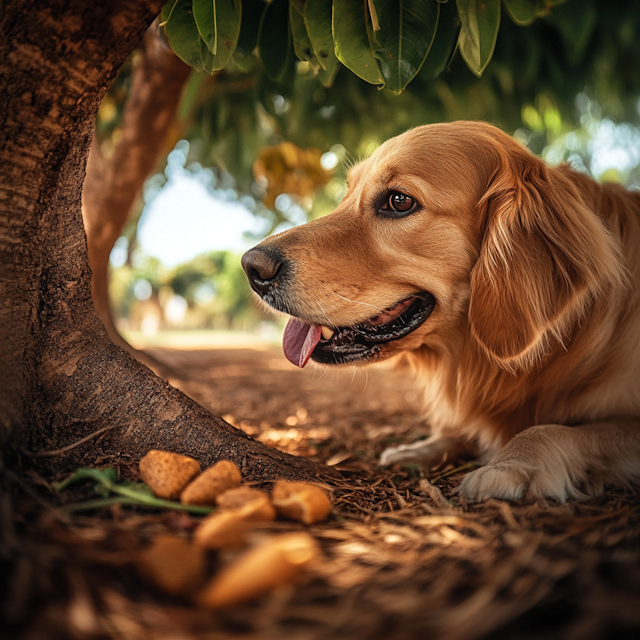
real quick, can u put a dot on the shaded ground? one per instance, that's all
(397, 562)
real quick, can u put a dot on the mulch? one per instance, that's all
(402, 556)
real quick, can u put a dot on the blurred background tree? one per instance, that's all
(285, 94)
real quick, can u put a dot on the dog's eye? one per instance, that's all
(398, 203)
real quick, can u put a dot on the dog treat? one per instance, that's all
(212, 482)
(224, 530)
(166, 473)
(277, 561)
(253, 505)
(173, 565)
(300, 501)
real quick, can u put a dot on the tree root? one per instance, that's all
(86, 380)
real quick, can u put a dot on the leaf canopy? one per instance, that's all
(383, 42)
(568, 54)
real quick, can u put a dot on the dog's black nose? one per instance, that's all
(262, 267)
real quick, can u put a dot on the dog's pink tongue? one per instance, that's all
(299, 341)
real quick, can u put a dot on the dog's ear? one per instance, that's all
(544, 255)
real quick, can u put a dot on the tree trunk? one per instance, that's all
(113, 185)
(61, 377)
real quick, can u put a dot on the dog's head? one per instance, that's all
(448, 233)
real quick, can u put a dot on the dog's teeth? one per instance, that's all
(326, 333)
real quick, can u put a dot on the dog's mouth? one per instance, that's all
(341, 345)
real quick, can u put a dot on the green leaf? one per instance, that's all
(252, 11)
(274, 39)
(443, 43)
(405, 35)
(182, 33)
(524, 12)
(301, 42)
(327, 76)
(480, 23)
(105, 477)
(218, 23)
(299, 5)
(352, 46)
(317, 18)
(165, 12)
(208, 59)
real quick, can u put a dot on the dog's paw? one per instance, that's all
(426, 453)
(515, 479)
(505, 481)
(540, 462)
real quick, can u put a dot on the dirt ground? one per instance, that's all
(399, 560)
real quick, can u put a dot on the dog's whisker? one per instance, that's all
(366, 304)
(324, 314)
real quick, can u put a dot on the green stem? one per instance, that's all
(127, 494)
(97, 504)
(159, 503)
(135, 502)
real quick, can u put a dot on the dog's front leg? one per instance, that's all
(554, 461)
(428, 453)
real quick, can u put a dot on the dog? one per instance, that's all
(509, 285)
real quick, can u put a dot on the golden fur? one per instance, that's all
(532, 353)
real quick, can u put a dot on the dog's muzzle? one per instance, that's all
(269, 273)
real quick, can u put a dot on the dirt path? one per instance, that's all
(397, 563)
(351, 412)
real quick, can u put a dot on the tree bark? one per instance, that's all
(113, 184)
(61, 377)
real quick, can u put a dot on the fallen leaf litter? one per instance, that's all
(398, 560)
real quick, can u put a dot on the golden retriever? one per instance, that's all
(509, 284)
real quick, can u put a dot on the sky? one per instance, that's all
(185, 219)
